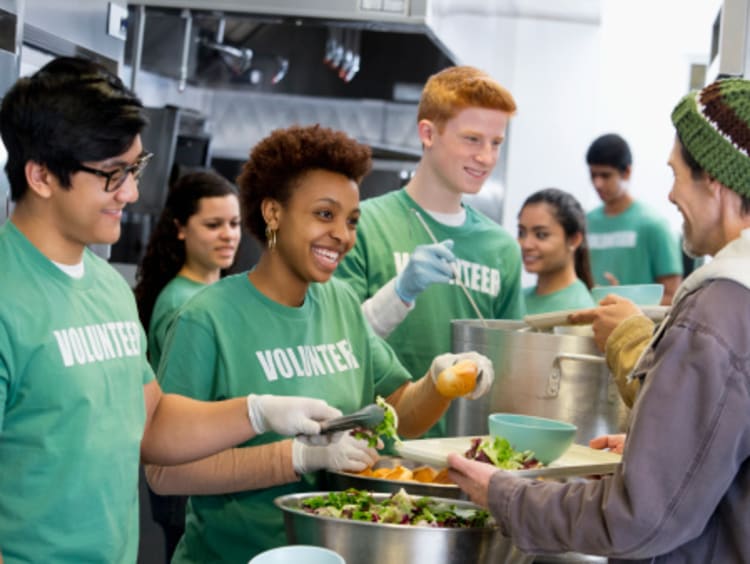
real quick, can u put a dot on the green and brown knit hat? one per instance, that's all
(714, 126)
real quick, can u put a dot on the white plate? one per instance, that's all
(555, 318)
(578, 460)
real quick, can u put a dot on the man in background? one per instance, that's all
(416, 247)
(629, 243)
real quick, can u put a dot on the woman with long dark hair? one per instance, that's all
(552, 235)
(195, 239)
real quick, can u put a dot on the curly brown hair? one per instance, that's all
(277, 162)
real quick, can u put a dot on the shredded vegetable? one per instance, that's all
(498, 451)
(386, 428)
(399, 508)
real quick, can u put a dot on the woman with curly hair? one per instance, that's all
(287, 328)
(195, 239)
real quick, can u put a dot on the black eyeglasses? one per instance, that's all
(116, 178)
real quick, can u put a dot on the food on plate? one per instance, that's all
(498, 451)
(386, 428)
(423, 474)
(399, 508)
(457, 380)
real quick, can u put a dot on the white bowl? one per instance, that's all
(302, 553)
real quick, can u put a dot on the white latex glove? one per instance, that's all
(335, 451)
(484, 379)
(288, 415)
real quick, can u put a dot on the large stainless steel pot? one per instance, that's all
(377, 543)
(561, 376)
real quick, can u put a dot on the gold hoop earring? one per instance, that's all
(271, 238)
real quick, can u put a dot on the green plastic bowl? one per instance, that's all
(547, 438)
(640, 294)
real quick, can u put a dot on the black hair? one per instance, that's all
(571, 217)
(165, 253)
(611, 150)
(70, 111)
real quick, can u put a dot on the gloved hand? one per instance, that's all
(288, 415)
(335, 451)
(428, 264)
(454, 375)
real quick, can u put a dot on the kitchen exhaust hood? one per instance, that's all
(377, 49)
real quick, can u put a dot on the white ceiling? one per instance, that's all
(586, 11)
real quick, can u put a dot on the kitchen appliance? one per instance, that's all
(363, 542)
(559, 376)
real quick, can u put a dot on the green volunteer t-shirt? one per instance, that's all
(72, 370)
(172, 297)
(574, 296)
(230, 340)
(637, 246)
(490, 265)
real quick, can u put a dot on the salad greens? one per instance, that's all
(498, 451)
(386, 428)
(399, 508)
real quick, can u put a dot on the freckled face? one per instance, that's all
(465, 152)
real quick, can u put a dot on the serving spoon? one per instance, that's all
(367, 417)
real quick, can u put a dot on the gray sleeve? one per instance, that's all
(688, 439)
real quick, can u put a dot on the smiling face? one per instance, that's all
(316, 227)
(698, 206)
(464, 152)
(211, 235)
(84, 213)
(545, 248)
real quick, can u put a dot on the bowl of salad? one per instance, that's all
(378, 528)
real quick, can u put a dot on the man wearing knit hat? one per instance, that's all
(681, 491)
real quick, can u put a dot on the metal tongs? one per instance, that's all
(367, 417)
(457, 273)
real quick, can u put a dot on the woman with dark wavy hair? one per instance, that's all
(195, 239)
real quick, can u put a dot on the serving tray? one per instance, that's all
(578, 460)
(542, 321)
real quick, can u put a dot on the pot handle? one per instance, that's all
(553, 382)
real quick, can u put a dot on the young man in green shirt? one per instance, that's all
(629, 243)
(79, 405)
(407, 283)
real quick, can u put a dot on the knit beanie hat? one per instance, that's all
(714, 126)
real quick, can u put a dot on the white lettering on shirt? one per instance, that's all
(307, 360)
(613, 240)
(475, 276)
(478, 277)
(98, 342)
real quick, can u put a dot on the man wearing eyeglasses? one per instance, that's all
(79, 405)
